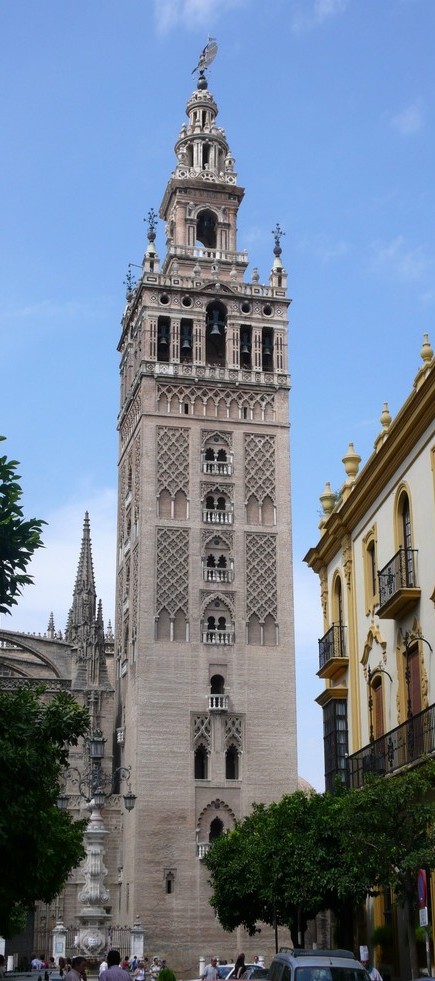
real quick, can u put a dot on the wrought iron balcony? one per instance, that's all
(398, 748)
(218, 703)
(398, 590)
(332, 652)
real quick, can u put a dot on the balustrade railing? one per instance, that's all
(217, 468)
(217, 575)
(223, 637)
(398, 748)
(218, 703)
(214, 517)
(202, 849)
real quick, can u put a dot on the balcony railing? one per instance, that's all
(402, 746)
(218, 703)
(202, 849)
(214, 517)
(217, 575)
(398, 590)
(332, 645)
(217, 468)
(218, 637)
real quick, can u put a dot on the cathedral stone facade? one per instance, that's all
(195, 695)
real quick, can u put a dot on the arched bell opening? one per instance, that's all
(206, 229)
(216, 325)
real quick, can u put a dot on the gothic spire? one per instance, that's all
(85, 627)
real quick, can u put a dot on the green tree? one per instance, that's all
(393, 819)
(309, 852)
(18, 538)
(39, 844)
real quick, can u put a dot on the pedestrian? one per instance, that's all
(133, 964)
(139, 973)
(103, 967)
(155, 968)
(36, 963)
(210, 972)
(114, 972)
(2, 966)
(372, 971)
(240, 966)
(62, 966)
(77, 970)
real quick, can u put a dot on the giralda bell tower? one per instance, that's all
(205, 649)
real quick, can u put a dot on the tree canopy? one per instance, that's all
(309, 852)
(19, 538)
(39, 844)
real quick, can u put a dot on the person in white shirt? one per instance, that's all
(210, 972)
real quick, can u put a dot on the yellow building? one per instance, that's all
(375, 561)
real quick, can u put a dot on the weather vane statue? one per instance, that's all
(208, 54)
(277, 234)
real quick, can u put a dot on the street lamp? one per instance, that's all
(92, 781)
(95, 787)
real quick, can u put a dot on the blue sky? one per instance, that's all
(329, 107)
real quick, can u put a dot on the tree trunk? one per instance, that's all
(412, 944)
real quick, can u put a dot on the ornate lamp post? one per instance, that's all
(95, 787)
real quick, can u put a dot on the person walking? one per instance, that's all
(77, 971)
(240, 966)
(372, 971)
(114, 972)
(210, 972)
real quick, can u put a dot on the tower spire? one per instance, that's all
(85, 628)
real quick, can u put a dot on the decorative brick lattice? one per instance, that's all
(208, 436)
(202, 730)
(130, 419)
(242, 398)
(172, 459)
(136, 477)
(172, 570)
(219, 603)
(135, 583)
(226, 537)
(261, 582)
(234, 731)
(226, 490)
(260, 467)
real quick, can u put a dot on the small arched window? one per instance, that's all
(201, 763)
(231, 763)
(217, 685)
(216, 829)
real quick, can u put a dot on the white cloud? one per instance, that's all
(307, 18)
(192, 14)
(409, 120)
(54, 567)
(401, 262)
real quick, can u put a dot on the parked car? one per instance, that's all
(316, 965)
(255, 973)
(226, 971)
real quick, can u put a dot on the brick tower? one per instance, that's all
(204, 635)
